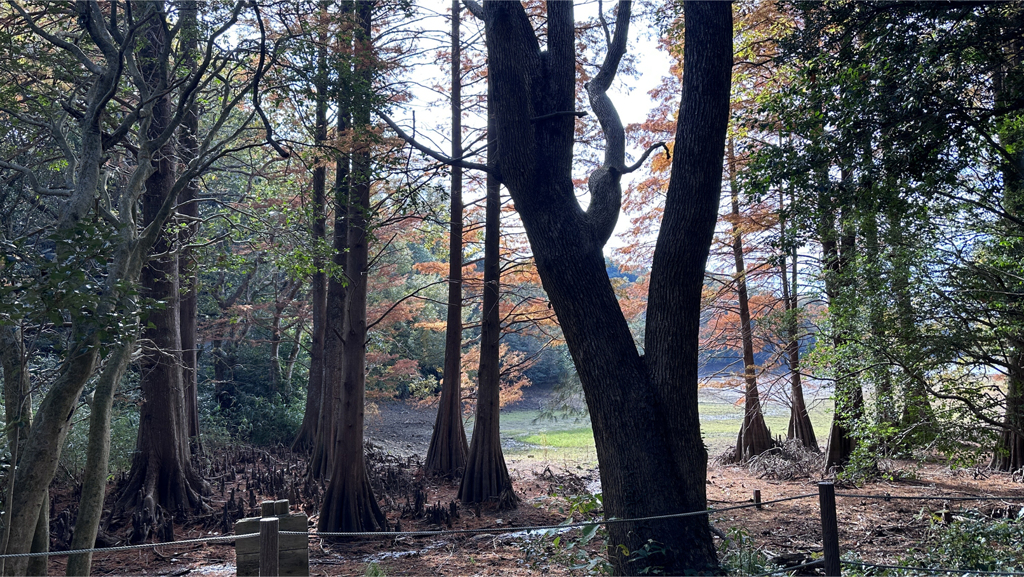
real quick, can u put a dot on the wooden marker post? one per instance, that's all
(270, 555)
(291, 551)
(829, 527)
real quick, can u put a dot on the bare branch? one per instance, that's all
(429, 152)
(36, 187)
(643, 157)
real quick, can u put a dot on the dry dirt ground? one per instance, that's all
(878, 530)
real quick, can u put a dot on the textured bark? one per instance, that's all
(446, 455)
(94, 478)
(754, 437)
(161, 474)
(349, 504)
(800, 426)
(849, 396)
(643, 409)
(306, 438)
(18, 410)
(486, 477)
(1009, 453)
(188, 207)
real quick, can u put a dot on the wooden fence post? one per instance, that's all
(829, 527)
(291, 549)
(269, 553)
(757, 498)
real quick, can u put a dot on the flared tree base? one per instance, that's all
(349, 504)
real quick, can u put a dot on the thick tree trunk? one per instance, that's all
(754, 437)
(1009, 453)
(349, 504)
(643, 409)
(162, 475)
(446, 455)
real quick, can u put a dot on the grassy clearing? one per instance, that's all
(572, 441)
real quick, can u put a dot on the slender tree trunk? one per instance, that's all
(94, 479)
(188, 206)
(306, 439)
(446, 455)
(800, 426)
(486, 477)
(349, 504)
(754, 437)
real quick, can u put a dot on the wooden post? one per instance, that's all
(829, 527)
(281, 507)
(757, 498)
(268, 508)
(292, 549)
(269, 553)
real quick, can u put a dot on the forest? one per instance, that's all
(361, 253)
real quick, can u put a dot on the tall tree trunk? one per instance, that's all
(161, 476)
(643, 409)
(306, 438)
(486, 477)
(800, 426)
(849, 397)
(188, 207)
(754, 437)
(349, 504)
(446, 455)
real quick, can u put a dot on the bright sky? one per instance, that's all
(630, 95)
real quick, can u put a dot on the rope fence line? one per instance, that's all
(529, 529)
(815, 563)
(888, 497)
(213, 539)
(931, 570)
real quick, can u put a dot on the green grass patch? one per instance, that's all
(581, 437)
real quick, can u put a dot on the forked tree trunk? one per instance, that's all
(643, 409)
(754, 437)
(486, 477)
(349, 504)
(161, 475)
(446, 455)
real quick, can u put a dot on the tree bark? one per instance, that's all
(306, 438)
(446, 455)
(161, 475)
(188, 207)
(800, 426)
(486, 477)
(643, 409)
(94, 479)
(349, 504)
(754, 437)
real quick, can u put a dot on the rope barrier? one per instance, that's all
(130, 547)
(390, 534)
(888, 497)
(937, 570)
(814, 563)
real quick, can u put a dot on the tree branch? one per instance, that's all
(427, 150)
(474, 8)
(643, 157)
